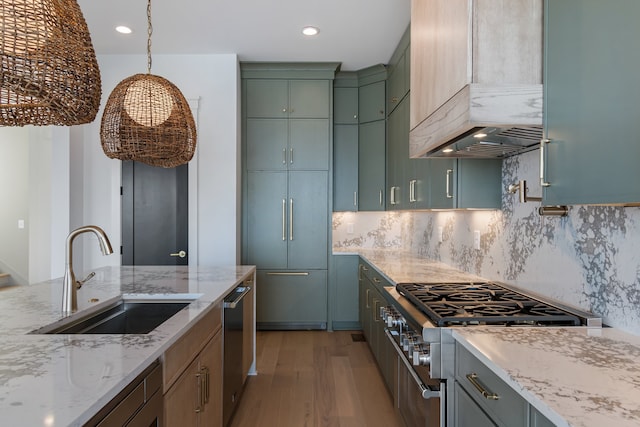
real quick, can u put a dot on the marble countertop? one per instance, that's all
(580, 377)
(62, 380)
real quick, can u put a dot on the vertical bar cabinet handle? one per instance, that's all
(291, 155)
(449, 173)
(291, 219)
(284, 219)
(284, 156)
(355, 199)
(543, 142)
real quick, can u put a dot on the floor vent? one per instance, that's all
(357, 337)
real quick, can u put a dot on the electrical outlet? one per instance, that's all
(440, 234)
(476, 239)
(349, 228)
(21, 223)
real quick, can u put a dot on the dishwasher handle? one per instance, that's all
(241, 291)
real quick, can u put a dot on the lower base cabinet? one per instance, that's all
(292, 299)
(468, 413)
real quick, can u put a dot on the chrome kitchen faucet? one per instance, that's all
(70, 285)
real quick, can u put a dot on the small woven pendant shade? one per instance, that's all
(49, 74)
(147, 119)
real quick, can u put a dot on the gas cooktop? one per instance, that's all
(470, 303)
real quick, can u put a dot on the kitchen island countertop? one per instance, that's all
(578, 376)
(63, 380)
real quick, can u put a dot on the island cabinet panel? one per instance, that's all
(591, 102)
(344, 295)
(196, 397)
(248, 330)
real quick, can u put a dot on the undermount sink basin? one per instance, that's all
(126, 316)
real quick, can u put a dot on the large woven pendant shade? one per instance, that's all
(147, 119)
(49, 74)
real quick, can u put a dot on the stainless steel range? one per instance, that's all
(422, 316)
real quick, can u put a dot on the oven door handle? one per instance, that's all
(427, 393)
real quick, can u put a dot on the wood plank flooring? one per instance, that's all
(314, 379)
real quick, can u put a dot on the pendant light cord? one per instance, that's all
(149, 32)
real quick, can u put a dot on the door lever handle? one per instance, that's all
(181, 254)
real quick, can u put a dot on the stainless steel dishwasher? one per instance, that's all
(232, 359)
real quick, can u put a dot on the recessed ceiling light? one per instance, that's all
(310, 31)
(479, 135)
(448, 150)
(123, 29)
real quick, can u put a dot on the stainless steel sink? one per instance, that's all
(126, 316)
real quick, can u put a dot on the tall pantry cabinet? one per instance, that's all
(287, 121)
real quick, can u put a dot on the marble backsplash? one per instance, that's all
(589, 259)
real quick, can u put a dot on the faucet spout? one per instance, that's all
(70, 284)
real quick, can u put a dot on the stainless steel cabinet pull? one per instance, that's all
(199, 381)
(367, 298)
(284, 219)
(290, 219)
(380, 197)
(180, 254)
(449, 174)
(291, 155)
(206, 393)
(543, 142)
(242, 291)
(392, 195)
(287, 273)
(355, 199)
(473, 379)
(412, 191)
(284, 156)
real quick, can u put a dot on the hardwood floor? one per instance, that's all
(313, 379)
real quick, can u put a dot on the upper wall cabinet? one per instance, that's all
(591, 102)
(287, 98)
(474, 63)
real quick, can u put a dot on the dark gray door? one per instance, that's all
(154, 214)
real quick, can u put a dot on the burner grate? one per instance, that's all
(449, 304)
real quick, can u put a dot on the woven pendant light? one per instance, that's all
(147, 119)
(48, 69)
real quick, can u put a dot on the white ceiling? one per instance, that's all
(357, 33)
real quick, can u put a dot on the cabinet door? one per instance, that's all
(371, 102)
(467, 412)
(211, 363)
(591, 102)
(308, 220)
(292, 301)
(479, 183)
(398, 158)
(267, 207)
(344, 308)
(345, 105)
(345, 168)
(371, 166)
(309, 98)
(536, 419)
(308, 144)
(267, 98)
(182, 399)
(442, 178)
(397, 84)
(267, 144)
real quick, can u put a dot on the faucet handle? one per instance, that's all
(79, 283)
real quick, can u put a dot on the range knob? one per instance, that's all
(411, 339)
(421, 357)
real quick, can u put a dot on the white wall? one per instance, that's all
(214, 79)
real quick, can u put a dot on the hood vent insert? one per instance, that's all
(497, 143)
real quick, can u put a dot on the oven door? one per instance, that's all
(420, 402)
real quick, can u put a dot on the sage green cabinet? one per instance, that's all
(281, 144)
(536, 419)
(465, 183)
(371, 166)
(371, 102)
(467, 412)
(591, 102)
(292, 299)
(399, 73)
(345, 142)
(344, 293)
(282, 98)
(287, 220)
(345, 168)
(345, 103)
